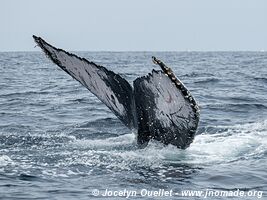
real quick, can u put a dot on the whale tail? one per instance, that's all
(159, 106)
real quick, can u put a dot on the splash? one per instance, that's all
(234, 143)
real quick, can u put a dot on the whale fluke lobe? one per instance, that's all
(158, 105)
(114, 91)
(164, 113)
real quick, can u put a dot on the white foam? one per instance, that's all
(5, 160)
(239, 141)
(109, 143)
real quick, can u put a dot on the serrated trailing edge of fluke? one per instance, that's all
(168, 72)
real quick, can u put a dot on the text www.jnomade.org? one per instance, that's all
(170, 193)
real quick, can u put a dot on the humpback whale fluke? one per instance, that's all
(158, 105)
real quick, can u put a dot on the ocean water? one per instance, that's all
(58, 141)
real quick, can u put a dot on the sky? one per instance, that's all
(135, 25)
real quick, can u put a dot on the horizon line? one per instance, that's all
(122, 51)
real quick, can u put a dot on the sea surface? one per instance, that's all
(58, 141)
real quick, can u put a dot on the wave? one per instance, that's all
(199, 74)
(264, 80)
(235, 106)
(207, 80)
(22, 94)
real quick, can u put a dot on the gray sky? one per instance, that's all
(144, 25)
